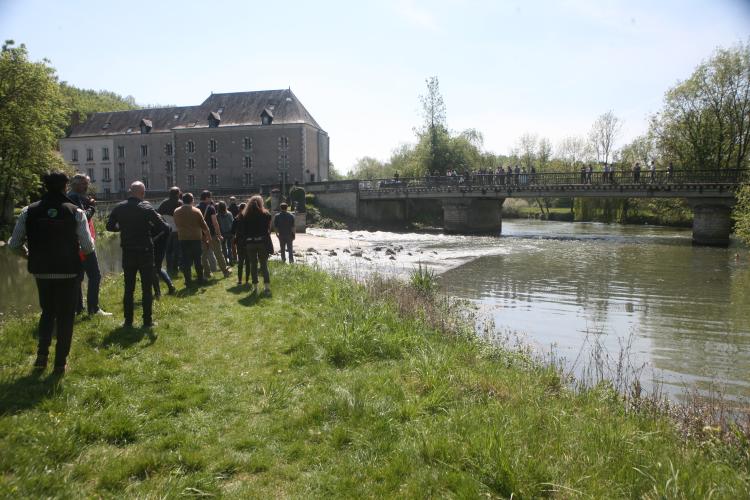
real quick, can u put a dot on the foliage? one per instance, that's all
(603, 136)
(33, 114)
(83, 103)
(424, 280)
(334, 174)
(705, 122)
(357, 391)
(742, 214)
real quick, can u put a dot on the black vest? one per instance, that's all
(51, 233)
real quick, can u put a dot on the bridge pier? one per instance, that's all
(712, 222)
(466, 215)
(388, 212)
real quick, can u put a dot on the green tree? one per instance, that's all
(742, 214)
(434, 128)
(34, 113)
(705, 122)
(82, 103)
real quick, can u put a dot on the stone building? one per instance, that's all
(231, 142)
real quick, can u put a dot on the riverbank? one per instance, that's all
(326, 389)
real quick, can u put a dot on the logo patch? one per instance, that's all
(52, 213)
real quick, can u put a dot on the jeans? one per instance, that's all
(242, 262)
(286, 243)
(138, 262)
(256, 252)
(215, 248)
(226, 247)
(191, 256)
(57, 298)
(160, 248)
(91, 270)
(173, 252)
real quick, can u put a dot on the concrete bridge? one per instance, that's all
(473, 204)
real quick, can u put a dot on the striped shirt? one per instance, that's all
(18, 239)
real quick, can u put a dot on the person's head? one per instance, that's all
(254, 206)
(232, 199)
(242, 206)
(222, 207)
(80, 183)
(187, 198)
(55, 182)
(206, 196)
(174, 193)
(283, 206)
(137, 190)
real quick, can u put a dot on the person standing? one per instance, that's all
(256, 228)
(192, 231)
(136, 220)
(166, 210)
(206, 207)
(233, 208)
(78, 194)
(55, 230)
(283, 224)
(225, 219)
(652, 171)
(239, 246)
(670, 172)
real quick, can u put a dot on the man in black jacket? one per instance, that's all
(136, 220)
(55, 229)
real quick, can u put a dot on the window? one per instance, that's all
(89, 154)
(107, 178)
(190, 163)
(169, 180)
(144, 180)
(213, 180)
(283, 142)
(168, 166)
(144, 150)
(168, 149)
(121, 169)
(247, 162)
(283, 160)
(247, 144)
(212, 145)
(191, 180)
(121, 151)
(75, 155)
(121, 183)
(90, 173)
(107, 191)
(212, 162)
(247, 179)
(105, 154)
(265, 119)
(190, 147)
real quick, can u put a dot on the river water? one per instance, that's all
(682, 311)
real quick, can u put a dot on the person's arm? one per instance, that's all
(157, 221)
(84, 235)
(18, 238)
(112, 223)
(204, 229)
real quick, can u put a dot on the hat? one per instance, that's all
(283, 205)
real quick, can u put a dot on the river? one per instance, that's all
(682, 312)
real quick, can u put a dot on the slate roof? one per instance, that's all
(235, 108)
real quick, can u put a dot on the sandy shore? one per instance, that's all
(303, 241)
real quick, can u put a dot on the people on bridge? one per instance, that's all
(55, 230)
(583, 174)
(516, 174)
(652, 170)
(670, 172)
(637, 173)
(136, 221)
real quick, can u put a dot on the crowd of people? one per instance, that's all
(57, 235)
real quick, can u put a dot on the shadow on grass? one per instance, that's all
(238, 289)
(127, 336)
(249, 300)
(27, 391)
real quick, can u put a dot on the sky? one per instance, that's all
(505, 67)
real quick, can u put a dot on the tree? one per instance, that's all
(433, 112)
(742, 214)
(544, 152)
(527, 149)
(641, 150)
(82, 103)
(34, 116)
(603, 135)
(705, 122)
(573, 150)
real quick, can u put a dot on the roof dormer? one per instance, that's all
(266, 117)
(214, 119)
(146, 126)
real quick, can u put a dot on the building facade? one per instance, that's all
(235, 141)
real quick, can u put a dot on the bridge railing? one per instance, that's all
(526, 180)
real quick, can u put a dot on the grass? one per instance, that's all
(328, 389)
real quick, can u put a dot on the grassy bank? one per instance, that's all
(327, 389)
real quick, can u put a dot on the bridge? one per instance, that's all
(473, 203)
